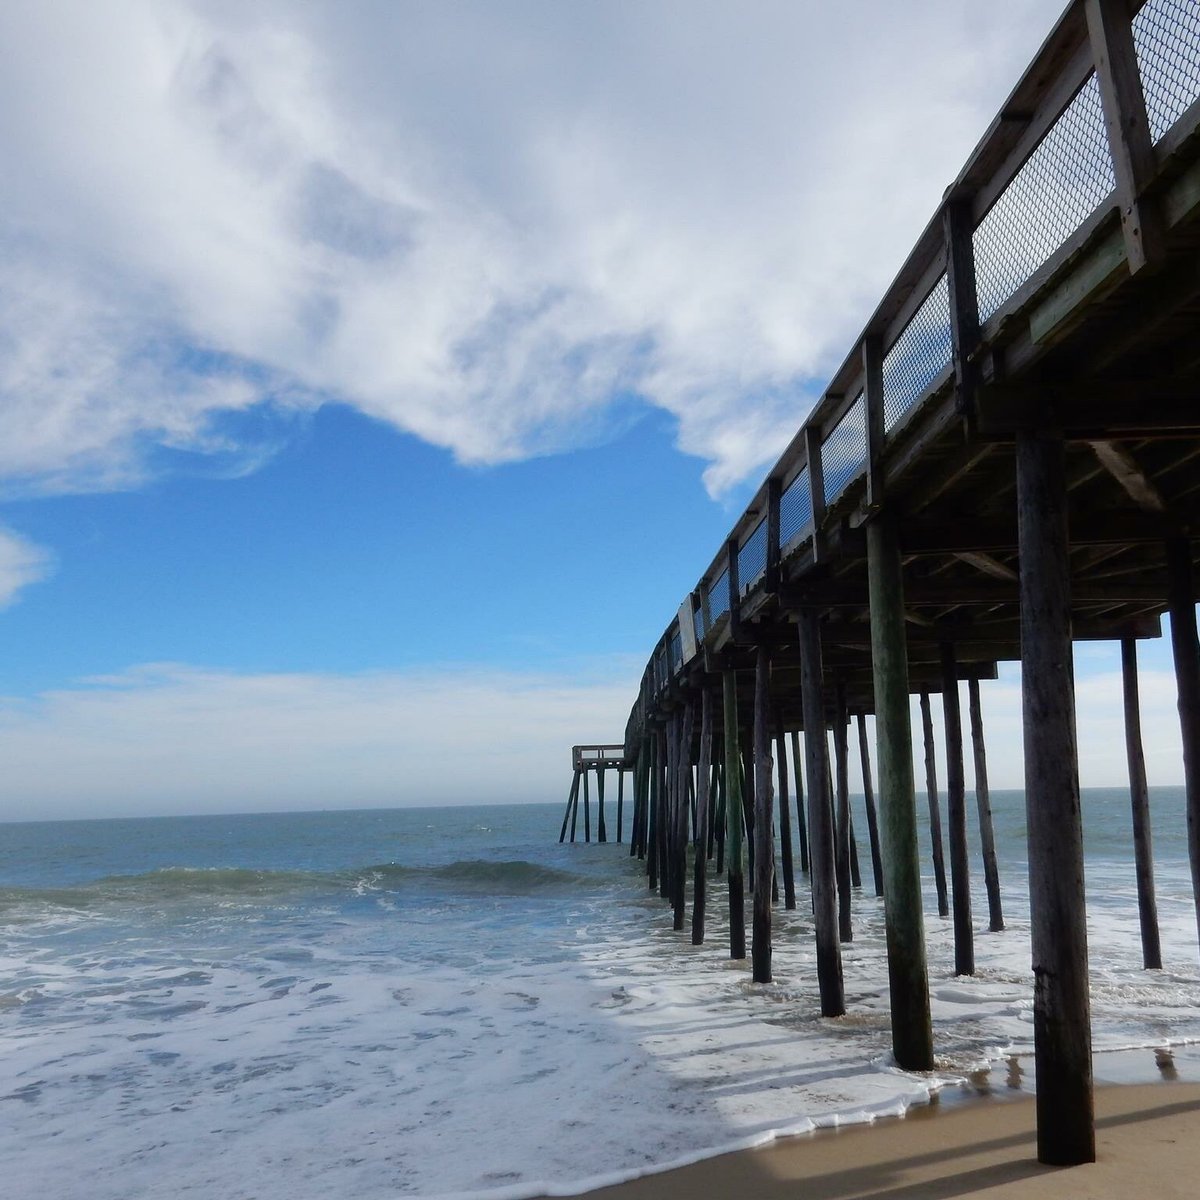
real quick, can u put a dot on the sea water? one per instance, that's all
(426, 1002)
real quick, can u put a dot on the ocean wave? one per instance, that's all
(169, 885)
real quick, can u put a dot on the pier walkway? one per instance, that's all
(1008, 459)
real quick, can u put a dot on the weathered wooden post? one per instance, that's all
(764, 856)
(864, 758)
(935, 811)
(683, 774)
(722, 819)
(983, 801)
(601, 831)
(956, 811)
(654, 782)
(825, 914)
(1139, 795)
(1186, 654)
(841, 756)
(587, 807)
(785, 819)
(908, 974)
(1061, 1006)
(801, 824)
(704, 812)
(733, 808)
(620, 803)
(572, 800)
(664, 818)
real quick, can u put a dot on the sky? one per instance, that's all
(376, 379)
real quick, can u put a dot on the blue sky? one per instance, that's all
(374, 382)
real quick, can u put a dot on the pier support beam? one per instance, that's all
(1139, 797)
(653, 786)
(1061, 1007)
(587, 808)
(864, 758)
(572, 800)
(983, 802)
(908, 974)
(601, 829)
(820, 824)
(733, 810)
(785, 820)
(956, 812)
(683, 775)
(801, 823)
(1187, 677)
(620, 803)
(704, 815)
(764, 821)
(841, 754)
(935, 811)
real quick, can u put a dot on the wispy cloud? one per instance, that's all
(477, 222)
(21, 564)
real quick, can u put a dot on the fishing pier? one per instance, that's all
(1007, 460)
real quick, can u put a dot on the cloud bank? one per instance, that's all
(485, 225)
(169, 738)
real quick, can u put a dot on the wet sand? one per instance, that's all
(979, 1141)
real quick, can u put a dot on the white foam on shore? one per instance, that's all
(281, 1061)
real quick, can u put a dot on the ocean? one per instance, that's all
(432, 1002)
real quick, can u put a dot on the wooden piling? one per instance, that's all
(572, 798)
(1186, 653)
(956, 812)
(601, 830)
(785, 820)
(704, 813)
(722, 820)
(587, 807)
(664, 819)
(864, 758)
(1139, 795)
(908, 974)
(824, 887)
(983, 802)
(935, 810)
(653, 783)
(760, 946)
(620, 803)
(841, 754)
(801, 823)
(683, 772)
(734, 818)
(1062, 1016)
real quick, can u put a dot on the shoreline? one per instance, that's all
(967, 1141)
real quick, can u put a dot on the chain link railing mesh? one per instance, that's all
(752, 557)
(1061, 183)
(698, 624)
(675, 652)
(1166, 34)
(795, 510)
(844, 451)
(718, 596)
(918, 356)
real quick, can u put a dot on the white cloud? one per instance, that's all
(477, 222)
(21, 563)
(165, 738)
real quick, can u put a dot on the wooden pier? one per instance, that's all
(1007, 460)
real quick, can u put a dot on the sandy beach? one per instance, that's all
(1146, 1135)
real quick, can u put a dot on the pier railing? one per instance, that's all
(1039, 189)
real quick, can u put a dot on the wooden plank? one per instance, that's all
(872, 359)
(1125, 469)
(958, 231)
(1060, 309)
(1129, 141)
